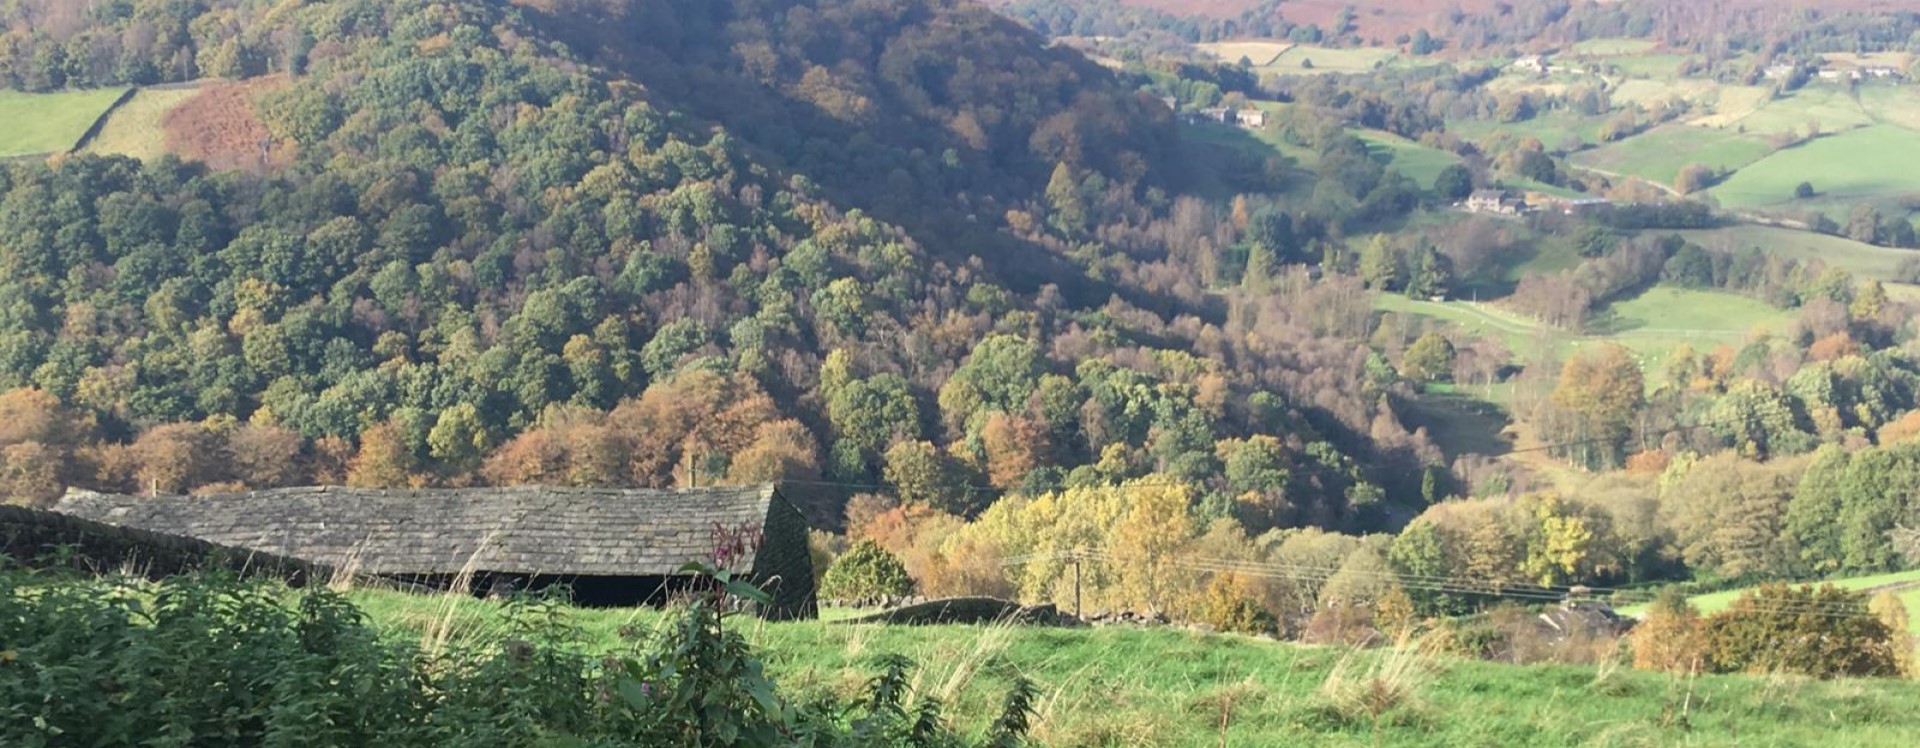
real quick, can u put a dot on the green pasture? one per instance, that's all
(135, 128)
(33, 123)
(1891, 104)
(1613, 47)
(1416, 161)
(1863, 260)
(1651, 325)
(1124, 686)
(1651, 65)
(1829, 106)
(1551, 128)
(1659, 154)
(1877, 160)
(1330, 59)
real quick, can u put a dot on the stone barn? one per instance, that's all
(612, 547)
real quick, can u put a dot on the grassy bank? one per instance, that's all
(1116, 686)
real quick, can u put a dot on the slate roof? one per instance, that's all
(520, 530)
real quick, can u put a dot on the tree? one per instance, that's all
(866, 573)
(922, 474)
(1804, 191)
(1821, 631)
(781, 450)
(384, 459)
(459, 438)
(1147, 541)
(1069, 214)
(1454, 183)
(1892, 613)
(1602, 388)
(1380, 264)
(1671, 638)
(1431, 275)
(1429, 359)
(1694, 178)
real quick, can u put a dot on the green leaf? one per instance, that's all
(747, 591)
(635, 695)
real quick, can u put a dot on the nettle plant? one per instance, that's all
(214, 660)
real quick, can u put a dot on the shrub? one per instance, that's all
(1671, 638)
(1229, 606)
(1820, 631)
(867, 572)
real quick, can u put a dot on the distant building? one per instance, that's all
(1583, 205)
(1495, 202)
(1211, 114)
(1173, 104)
(1880, 72)
(1778, 72)
(1536, 64)
(1252, 119)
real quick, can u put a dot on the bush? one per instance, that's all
(1229, 606)
(1671, 638)
(1820, 631)
(866, 573)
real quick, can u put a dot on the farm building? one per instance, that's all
(610, 546)
(1498, 202)
(1252, 119)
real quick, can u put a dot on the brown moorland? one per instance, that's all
(221, 126)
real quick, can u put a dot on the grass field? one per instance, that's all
(1906, 584)
(1862, 163)
(1649, 65)
(1416, 161)
(51, 122)
(1613, 47)
(1551, 128)
(1892, 104)
(134, 129)
(1864, 260)
(1651, 325)
(1330, 60)
(1828, 105)
(1163, 687)
(1659, 154)
(1260, 53)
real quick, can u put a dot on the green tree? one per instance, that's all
(459, 438)
(1454, 183)
(1380, 264)
(866, 573)
(1429, 359)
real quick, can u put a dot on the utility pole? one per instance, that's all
(1075, 559)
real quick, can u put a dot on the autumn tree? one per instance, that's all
(1822, 631)
(385, 460)
(781, 450)
(1599, 393)
(1671, 637)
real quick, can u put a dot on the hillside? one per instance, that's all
(561, 241)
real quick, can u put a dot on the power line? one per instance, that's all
(1440, 584)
